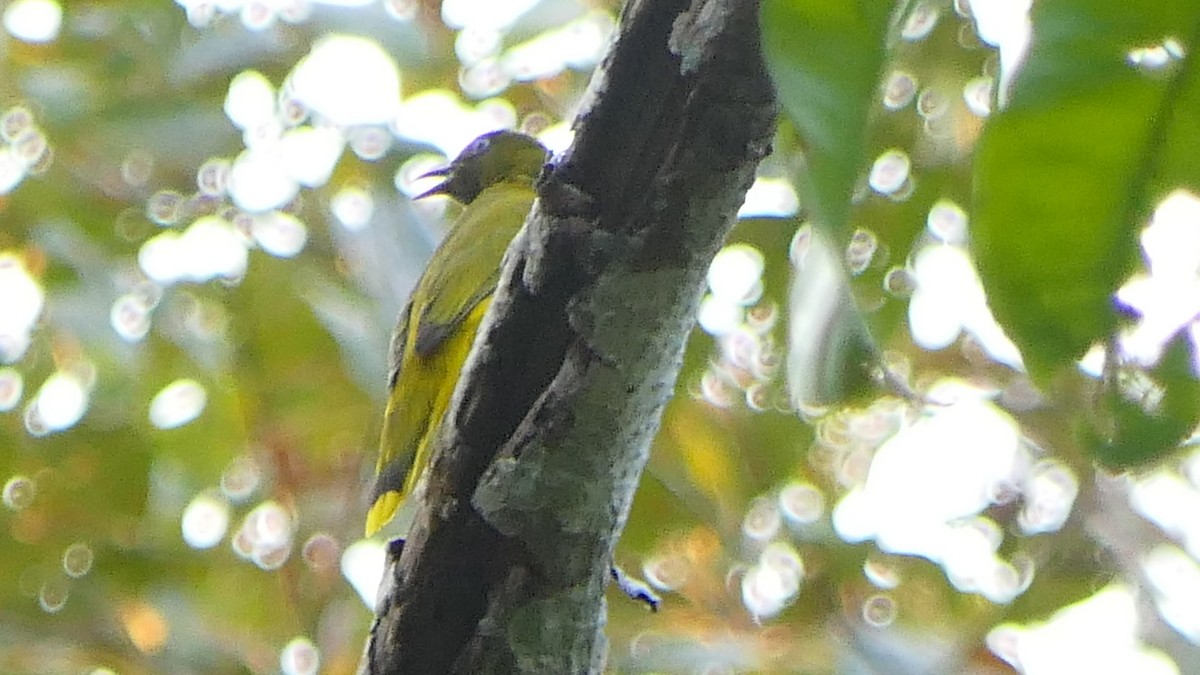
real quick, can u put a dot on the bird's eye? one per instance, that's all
(477, 146)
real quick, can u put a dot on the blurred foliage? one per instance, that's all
(291, 355)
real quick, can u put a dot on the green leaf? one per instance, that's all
(1142, 436)
(1067, 174)
(825, 57)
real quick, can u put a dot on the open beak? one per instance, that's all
(441, 187)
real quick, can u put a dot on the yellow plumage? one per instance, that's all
(493, 178)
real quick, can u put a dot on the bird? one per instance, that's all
(494, 179)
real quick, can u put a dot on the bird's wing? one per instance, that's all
(434, 335)
(466, 267)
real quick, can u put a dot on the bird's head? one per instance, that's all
(492, 158)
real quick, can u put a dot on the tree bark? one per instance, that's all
(506, 564)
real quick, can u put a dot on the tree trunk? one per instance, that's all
(533, 476)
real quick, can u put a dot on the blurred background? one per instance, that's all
(206, 235)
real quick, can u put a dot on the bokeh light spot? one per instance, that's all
(12, 386)
(353, 208)
(401, 10)
(920, 21)
(137, 167)
(459, 14)
(488, 78)
(19, 492)
(771, 585)
(881, 574)
(879, 610)
(212, 178)
(60, 402)
(1175, 578)
(762, 520)
(22, 306)
(164, 207)
(260, 180)
(475, 43)
(801, 503)
(177, 404)
(77, 560)
(34, 21)
(130, 317)
(300, 657)
(257, 16)
(15, 122)
(205, 521)
(947, 222)
(923, 493)
(949, 299)
(735, 274)
(931, 104)
(1097, 635)
(1050, 492)
(899, 89)
(265, 537)
(12, 170)
(280, 234)
(208, 248)
(250, 100)
(718, 317)
(362, 565)
(320, 551)
(889, 172)
(977, 94)
(898, 282)
(53, 594)
(860, 251)
(369, 143)
(348, 80)
(146, 627)
(240, 478)
(667, 572)
(310, 154)
(770, 198)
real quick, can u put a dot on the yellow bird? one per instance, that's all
(494, 180)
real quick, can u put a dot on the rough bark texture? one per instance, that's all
(506, 564)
